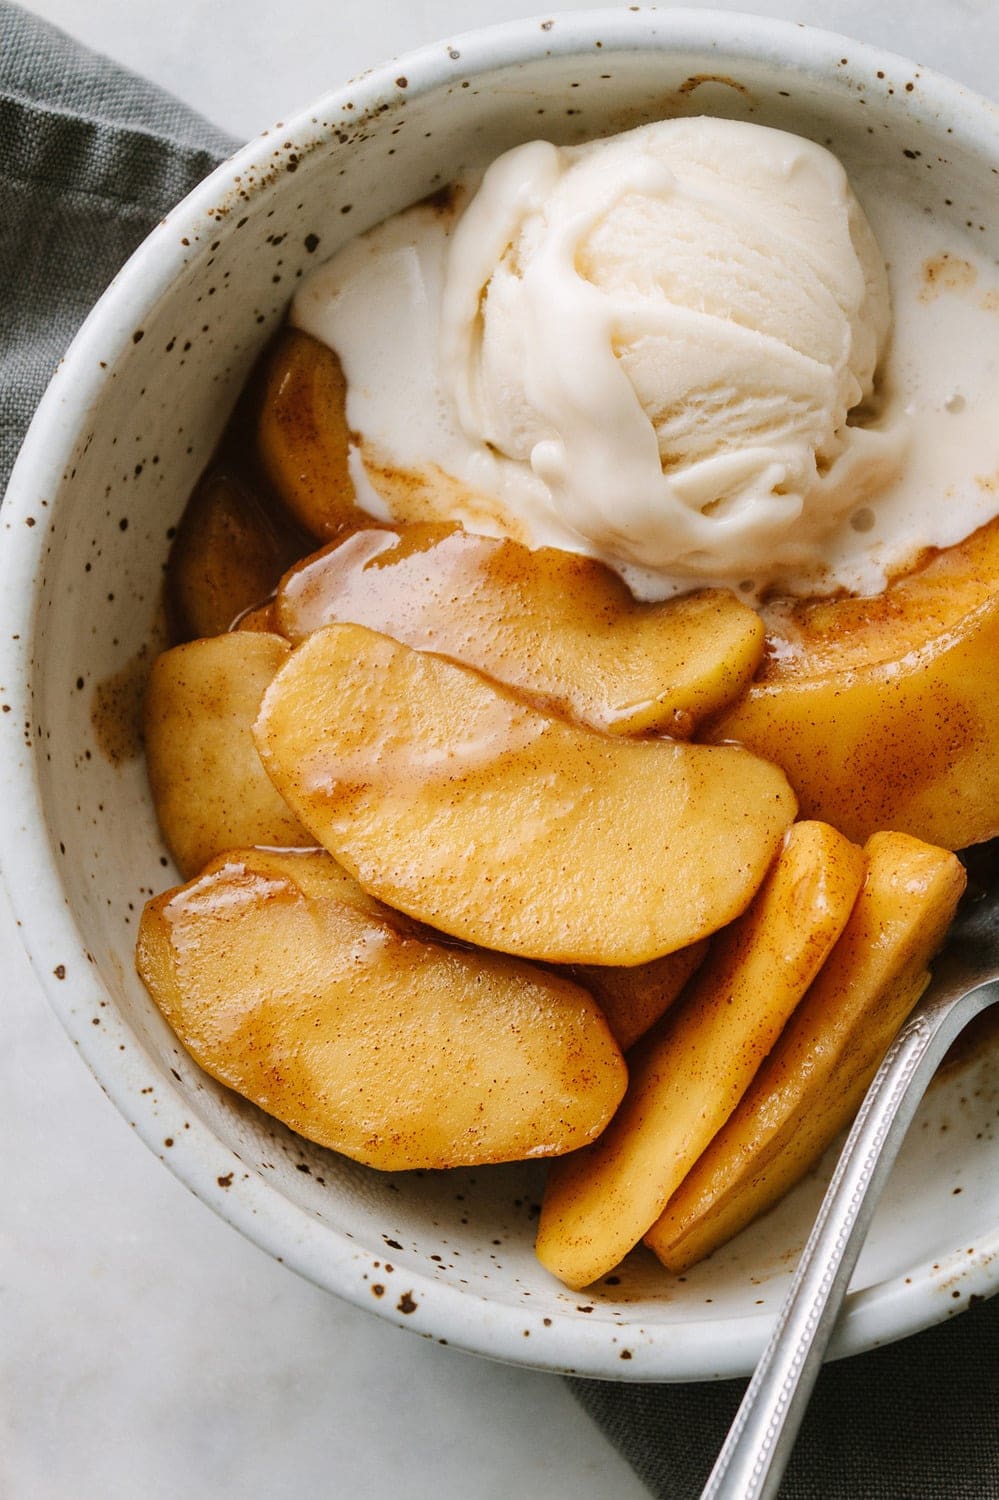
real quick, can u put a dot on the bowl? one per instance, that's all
(117, 444)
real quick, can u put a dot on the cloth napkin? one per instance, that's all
(91, 158)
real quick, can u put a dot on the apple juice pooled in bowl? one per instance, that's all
(509, 658)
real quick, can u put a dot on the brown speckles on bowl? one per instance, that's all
(696, 80)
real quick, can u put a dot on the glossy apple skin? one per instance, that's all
(560, 627)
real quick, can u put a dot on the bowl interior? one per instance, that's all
(102, 483)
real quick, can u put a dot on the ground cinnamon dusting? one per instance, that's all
(946, 273)
(116, 709)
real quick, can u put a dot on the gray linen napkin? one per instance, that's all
(90, 159)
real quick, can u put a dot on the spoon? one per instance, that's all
(759, 1443)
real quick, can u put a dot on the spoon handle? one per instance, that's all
(755, 1453)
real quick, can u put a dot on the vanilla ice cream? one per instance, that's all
(659, 349)
(670, 329)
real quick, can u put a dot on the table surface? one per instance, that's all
(146, 1350)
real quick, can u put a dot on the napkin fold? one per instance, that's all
(91, 157)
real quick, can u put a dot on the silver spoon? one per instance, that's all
(966, 981)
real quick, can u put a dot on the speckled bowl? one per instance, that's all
(118, 441)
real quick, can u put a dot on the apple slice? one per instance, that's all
(634, 999)
(302, 434)
(691, 1071)
(210, 789)
(815, 1078)
(882, 709)
(228, 556)
(562, 628)
(261, 618)
(451, 798)
(291, 986)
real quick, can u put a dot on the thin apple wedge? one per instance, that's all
(562, 628)
(210, 790)
(455, 800)
(689, 1074)
(816, 1076)
(302, 434)
(290, 985)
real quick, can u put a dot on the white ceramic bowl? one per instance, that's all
(127, 424)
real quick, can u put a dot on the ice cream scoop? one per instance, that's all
(669, 350)
(670, 329)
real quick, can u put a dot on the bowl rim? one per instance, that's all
(690, 1350)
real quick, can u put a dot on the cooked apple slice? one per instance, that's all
(453, 799)
(261, 618)
(690, 1072)
(302, 434)
(634, 999)
(815, 1078)
(882, 710)
(210, 790)
(228, 556)
(288, 984)
(559, 627)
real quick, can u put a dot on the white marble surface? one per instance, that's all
(145, 1349)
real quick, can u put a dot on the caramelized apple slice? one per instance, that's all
(689, 1074)
(815, 1078)
(210, 790)
(560, 627)
(288, 984)
(882, 710)
(453, 799)
(261, 618)
(634, 999)
(302, 434)
(228, 556)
